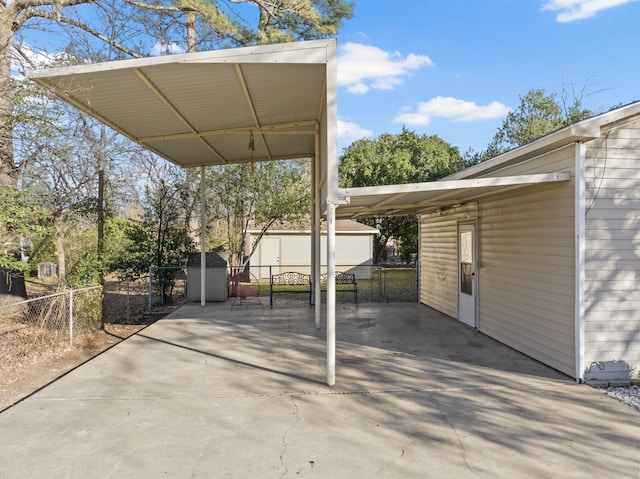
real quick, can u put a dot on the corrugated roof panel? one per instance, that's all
(219, 103)
(289, 93)
(186, 152)
(177, 105)
(290, 145)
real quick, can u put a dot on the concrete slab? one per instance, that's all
(209, 392)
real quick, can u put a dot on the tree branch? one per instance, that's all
(21, 5)
(158, 8)
(33, 13)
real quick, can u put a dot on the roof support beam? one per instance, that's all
(444, 185)
(276, 129)
(153, 88)
(247, 96)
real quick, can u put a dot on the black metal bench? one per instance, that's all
(345, 282)
(290, 278)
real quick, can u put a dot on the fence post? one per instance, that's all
(71, 318)
(128, 300)
(150, 288)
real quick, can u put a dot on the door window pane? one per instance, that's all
(466, 262)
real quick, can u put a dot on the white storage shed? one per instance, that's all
(286, 248)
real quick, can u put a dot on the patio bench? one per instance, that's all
(300, 282)
(345, 282)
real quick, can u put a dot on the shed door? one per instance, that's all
(270, 255)
(467, 281)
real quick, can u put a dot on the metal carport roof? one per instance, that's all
(260, 103)
(207, 108)
(417, 198)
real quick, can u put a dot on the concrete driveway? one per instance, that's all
(209, 392)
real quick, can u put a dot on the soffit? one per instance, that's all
(207, 108)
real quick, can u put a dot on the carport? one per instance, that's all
(254, 104)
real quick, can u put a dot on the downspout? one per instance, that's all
(580, 229)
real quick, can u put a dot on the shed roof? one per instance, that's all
(343, 226)
(207, 108)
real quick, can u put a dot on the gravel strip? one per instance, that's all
(626, 395)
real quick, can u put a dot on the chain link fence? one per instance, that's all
(52, 324)
(41, 326)
(127, 301)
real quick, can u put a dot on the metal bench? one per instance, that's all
(345, 282)
(290, 278)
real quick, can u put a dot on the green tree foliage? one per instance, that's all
(290, 20)
(159, 238)
(394, 159)
(20, 218)
(537, 115)
(260, 194)
(37, 143)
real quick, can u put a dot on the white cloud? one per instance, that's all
(166, 48)
(570, 10)
(451, 108)
(348, 132)
(362, 67)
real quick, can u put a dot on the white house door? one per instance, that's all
(270, 255)
(467, 279)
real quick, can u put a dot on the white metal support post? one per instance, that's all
(316, 237)
(203, 240)
(329, 154)
(314, 198)
(331, 294)
(580, 220)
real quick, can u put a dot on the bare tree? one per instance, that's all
(245, 194)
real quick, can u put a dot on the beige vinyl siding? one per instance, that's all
(526, 283)
(612, 299)
(439, 260)
(526, 278)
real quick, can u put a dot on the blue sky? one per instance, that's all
(455, 68)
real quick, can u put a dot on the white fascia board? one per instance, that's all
(313, 51)
(452, 184)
